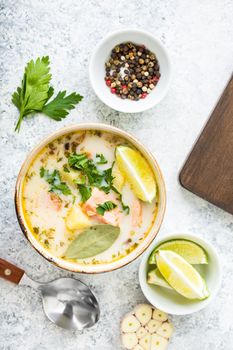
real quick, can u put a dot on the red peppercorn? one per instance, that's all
(113, 90)
(108, 82)
(144, 94)
(124, 87)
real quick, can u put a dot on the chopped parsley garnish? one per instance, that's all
(92, 176)
(108, 176)
(54, 179)
(95, 177)
(62, 187)
(102, 159)
(85, 192)
(87, 166)
(36, 230)
(106, 206)
(81, 180)
(78, 161)
(125, 207)
(106, 189)
(42, 171)
(66, 169)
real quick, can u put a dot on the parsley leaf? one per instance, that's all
(78, 161)
(85, 192)
(42, 171)
(92, 176)
(106, 189)
(125, 207)
(66, 169)
(87, 166)
(106, 206)
(108, 176)
(50, 93)
(95, 178)
(81, 180)
(35, 91)
(102, 159)
(62, 187)
(58, 108)
(54, 179)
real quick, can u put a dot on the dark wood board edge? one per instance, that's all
(181, 178)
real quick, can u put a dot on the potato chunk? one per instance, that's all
(71, 176)
(76, 219)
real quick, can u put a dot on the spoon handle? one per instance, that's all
(10, 272)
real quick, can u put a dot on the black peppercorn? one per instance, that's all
(132, 71)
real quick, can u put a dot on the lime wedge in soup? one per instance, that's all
(136, 170)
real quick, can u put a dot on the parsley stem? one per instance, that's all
(17, 128)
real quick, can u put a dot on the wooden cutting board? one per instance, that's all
(208, 170)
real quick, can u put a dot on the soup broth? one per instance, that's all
(73, 187)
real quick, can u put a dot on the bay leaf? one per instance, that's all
(92, 241)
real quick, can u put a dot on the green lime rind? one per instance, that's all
(206, 292)
(155, 277)
(192, 252)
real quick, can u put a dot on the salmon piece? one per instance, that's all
(48, 201)
(56, 201)
(136, 213)
(99, 197)
(110, 217)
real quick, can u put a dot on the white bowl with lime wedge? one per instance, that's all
(180, 274)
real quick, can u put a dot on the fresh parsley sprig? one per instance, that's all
(35, 93)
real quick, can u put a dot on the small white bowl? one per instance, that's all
(171, 302)
(101, 55)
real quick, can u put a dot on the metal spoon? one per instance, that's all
(67, 302)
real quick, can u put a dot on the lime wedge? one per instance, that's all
(118, 179)
(136, 170)
(181, 275)
(155, 277)
(190, 251)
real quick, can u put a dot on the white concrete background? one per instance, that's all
(198, 35)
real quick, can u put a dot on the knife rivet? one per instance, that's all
(7, 272)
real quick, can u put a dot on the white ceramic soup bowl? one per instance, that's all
(171, 302)
(101, 55)
(98, 268)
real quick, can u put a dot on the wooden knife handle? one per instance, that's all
(10, 272)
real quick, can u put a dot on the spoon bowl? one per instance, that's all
(69, 303)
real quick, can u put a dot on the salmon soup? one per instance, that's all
(90, 197)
